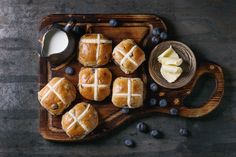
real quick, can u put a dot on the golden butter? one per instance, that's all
(172, 69)
(170, 61)
(170, 52)
(170, 77)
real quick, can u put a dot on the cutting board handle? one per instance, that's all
(216, 71)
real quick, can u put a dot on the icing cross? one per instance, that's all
(95, 85)
(52, 89)
(129, 93)
(97, 41)
(126, 56)
(78, 120)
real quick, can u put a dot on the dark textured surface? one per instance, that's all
(208, 27)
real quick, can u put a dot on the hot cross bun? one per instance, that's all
(80, 120)
(94, 83)
(128, 92)
(57, 95)
(94, 50)
(128, 56)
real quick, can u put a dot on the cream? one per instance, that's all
(55, 42)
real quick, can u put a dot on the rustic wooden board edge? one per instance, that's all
(208, 107)
(213, 102)
(97, 17)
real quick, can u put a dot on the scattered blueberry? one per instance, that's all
(153, 87)
(125, 110)
(163, 103)
(153, 101)
(155, 40)
(78, 30)
(184, 132)
(174, 111)
(113, 22)
(142, 127)
(69, 70)
(163, 35)
(156, 31)
(129, 143)
(156, 133)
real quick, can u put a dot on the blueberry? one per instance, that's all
(184, 132)
(163, 35)
(156, 133)
(69, 70)
(142, 127)
(163, 103)
(156, 31)
(174, 111)
(113, 22)
(153, 101)
(78, 30)
(129, 143)
(155, 40)
(153, 87)
(125, 110)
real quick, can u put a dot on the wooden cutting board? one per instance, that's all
(139, 28)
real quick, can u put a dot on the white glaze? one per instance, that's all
(78, 119)
(52, 89)
(129, 95)
(126, 56)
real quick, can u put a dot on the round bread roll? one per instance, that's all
(94, 50)
(128, 92)
(94, 83)
(80, 120)
(128, 56)
(57, 95)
